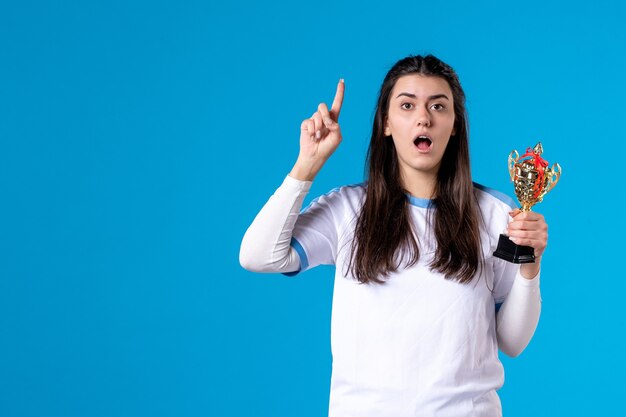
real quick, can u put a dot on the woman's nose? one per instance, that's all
(423, 118)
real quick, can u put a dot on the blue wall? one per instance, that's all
(139, 139)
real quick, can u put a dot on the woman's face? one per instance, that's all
(420, 120)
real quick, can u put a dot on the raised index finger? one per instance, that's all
(338, 101)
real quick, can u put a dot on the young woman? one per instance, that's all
(420, 305)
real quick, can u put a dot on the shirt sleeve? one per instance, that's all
(266, 244)
(504, 272)
(504, 275)
(517, 299)
(518, 317)
(316, 233)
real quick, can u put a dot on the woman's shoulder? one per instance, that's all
(494, 207)
(490, 199)
(350, 195)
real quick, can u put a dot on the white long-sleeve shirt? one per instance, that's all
(418, 345)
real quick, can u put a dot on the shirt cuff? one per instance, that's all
(525, 282)
(297, 185)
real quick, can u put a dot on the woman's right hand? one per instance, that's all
(320, 135)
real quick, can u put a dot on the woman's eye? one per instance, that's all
(407, 106)
(438, 106)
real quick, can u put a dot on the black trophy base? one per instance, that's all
(511, 252)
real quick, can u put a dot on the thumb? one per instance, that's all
(331, 125)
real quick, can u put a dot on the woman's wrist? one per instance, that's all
(530, 270)
(305, 170)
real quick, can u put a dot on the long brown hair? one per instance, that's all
(384, 238)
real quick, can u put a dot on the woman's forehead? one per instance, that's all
(421, 85)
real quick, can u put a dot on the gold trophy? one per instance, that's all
(533, 180)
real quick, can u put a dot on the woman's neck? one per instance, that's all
(420, 184)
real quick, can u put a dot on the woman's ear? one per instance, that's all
(387, 130)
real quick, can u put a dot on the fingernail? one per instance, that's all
(318, 134)
(514, 240)
(341, 80)
(328, 122)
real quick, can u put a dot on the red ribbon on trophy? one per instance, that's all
(540, 165)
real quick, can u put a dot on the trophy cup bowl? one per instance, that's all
(532, 180)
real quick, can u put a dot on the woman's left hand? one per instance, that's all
(529, 228)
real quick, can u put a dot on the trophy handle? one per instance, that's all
(555, 175)
(513, 157)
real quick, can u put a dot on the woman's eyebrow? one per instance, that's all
(433, 97)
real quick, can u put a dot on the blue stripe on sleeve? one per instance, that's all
(304, 261)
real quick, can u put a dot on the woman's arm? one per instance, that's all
(266, 244)
(518, 316)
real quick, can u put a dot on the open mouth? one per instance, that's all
(423, 143)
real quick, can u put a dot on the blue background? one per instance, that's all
(139, 139)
